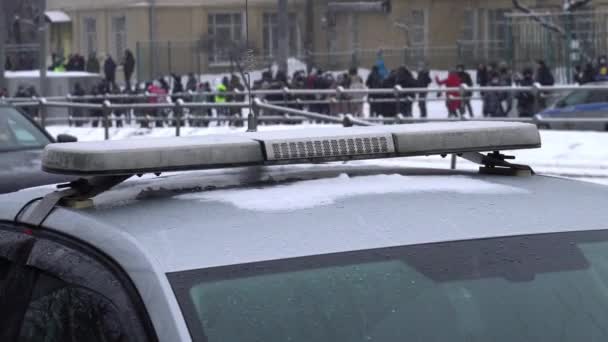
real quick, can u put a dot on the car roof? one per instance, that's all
(206, 219)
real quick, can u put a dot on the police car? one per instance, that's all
(589, 102)
(306, 235)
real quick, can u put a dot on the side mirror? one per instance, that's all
(66, 138)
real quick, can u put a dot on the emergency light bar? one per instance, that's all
(286, 147)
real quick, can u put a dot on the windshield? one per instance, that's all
(583, 96)
(551, 287)
(18, 133)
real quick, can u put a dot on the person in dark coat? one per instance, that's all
(96, 114)
(545, 78)
(192, 84)
(388, 109)
(8, 65)
(109, 69)
(374, 81)
(492, 105)
(128, 67)
(483, 80)
(466, 79)
(120, 114)
(525, 99)
(588, 74)
(80, 63)
(406, 80)
(77, 113)
(164, 85)
(323, 81)
(483, 77)
(21, 91)
(505, 80)
(577, 74)
(178, 86)
(543, 74)
(71, 65)
(93, 64)
(423, 81)
(236, 86)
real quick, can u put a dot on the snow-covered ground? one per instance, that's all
(581, 155)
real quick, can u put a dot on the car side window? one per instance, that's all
(62, 312)
(53, 290)
(22, 136)
(597, 96)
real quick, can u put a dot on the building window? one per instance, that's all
(469, 26)
(119, 34)
(469, 44)
(90, 35)
(226, 34)
(418, 34)
(418, 28)
(271, 34)
(498, 29)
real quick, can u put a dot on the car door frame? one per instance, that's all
(50, 252)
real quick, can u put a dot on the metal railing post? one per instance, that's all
(42, 111)
(252, 118)
(107, 111)
(399, 119)
(179, 108)
(285, 96)
(340, 99)
(463, 106)
(347, 120)
(453, 162)
(68, 98)
(397, 91)
(537, 94)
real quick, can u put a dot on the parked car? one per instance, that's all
(21, 145)
(580, 103)
(263, 250)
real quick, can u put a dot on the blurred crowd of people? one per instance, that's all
(233, 89)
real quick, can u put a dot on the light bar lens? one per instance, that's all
(329, 147)
(289, 146)
(151, 155)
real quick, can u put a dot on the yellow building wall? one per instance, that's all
(176, 24)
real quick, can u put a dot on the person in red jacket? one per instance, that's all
(160, 96)
(453, 101)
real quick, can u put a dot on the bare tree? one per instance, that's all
(569, 6)
(574, 5)
(536, 17)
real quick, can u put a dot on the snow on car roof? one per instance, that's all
(368, 208)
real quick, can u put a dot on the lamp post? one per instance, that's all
(283, 21)
(42, 42)
(3, 31)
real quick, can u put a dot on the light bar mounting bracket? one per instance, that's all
(76, 194)
(496, 163)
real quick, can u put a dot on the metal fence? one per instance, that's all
(161, 58)
(108, 110)
(156, 59)
(583, 38)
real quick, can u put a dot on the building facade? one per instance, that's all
(181, 36)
